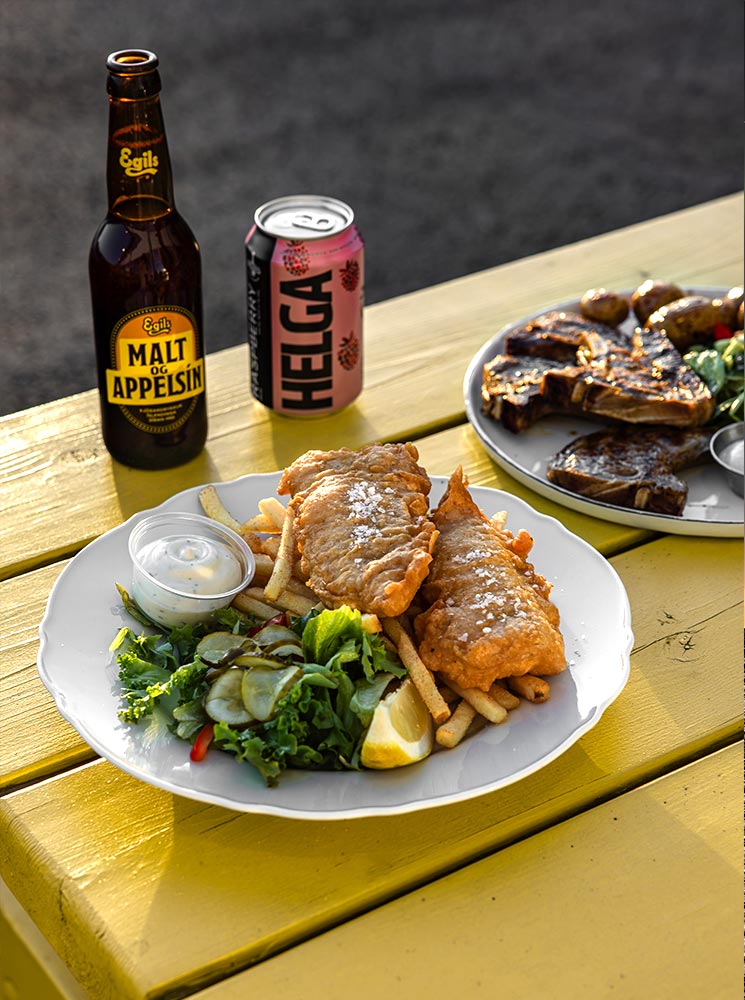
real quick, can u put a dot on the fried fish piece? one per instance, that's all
(489, 613)
(362, 525)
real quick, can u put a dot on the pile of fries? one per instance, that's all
(279, 584)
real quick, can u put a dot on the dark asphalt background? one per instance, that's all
(464, 134)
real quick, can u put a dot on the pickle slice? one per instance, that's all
(276, 633)
(262, 688)
(224, 701)
(215, 645)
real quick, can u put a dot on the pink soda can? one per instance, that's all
(305, 278)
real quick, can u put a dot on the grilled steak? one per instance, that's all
(559, 335)
(642, 381)
(631, 467)
(512, 393)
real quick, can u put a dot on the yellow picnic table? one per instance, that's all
(614, 871)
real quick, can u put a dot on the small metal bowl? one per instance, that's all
(725, 447)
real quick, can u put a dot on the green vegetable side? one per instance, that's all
(721, 365)
(293, 692)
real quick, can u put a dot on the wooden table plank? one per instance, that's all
(56, 471)
(35, 741)
(69, 845)
(31, 970)
(640, 897)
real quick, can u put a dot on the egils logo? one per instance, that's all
(138, 166)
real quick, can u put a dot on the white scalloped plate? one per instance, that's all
(712, 509)
(81, 675)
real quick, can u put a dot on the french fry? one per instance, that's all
(420, 675)
(450, 733)
(251, 539)
(271, 507)
(298, 605)
(270, 546)
(261, 523)
(531, 688)
(214, 508)
(483, 703)
(283, 564)
(264, 567)
(505, 698)
(448, 695)
(253, 606)
(296, 586)
(285, 601)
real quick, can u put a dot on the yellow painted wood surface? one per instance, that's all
(639, 898)
(35, 741)
(55, 470)
(50, 744)
(29, 968)
(104, 863)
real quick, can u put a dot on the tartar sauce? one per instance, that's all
(191, 565)
(734, 455)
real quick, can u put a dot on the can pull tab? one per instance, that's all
(316, 221)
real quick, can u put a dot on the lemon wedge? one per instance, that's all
(401, 731)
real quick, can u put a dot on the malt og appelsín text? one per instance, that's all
(154, 359)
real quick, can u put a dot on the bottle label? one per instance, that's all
(156, 373)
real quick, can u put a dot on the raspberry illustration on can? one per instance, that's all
(305, 279)
(296, 258)
(348, 354)
(350, 275)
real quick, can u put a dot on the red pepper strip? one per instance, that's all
(280, 619)
(202, 742)
(721, 332)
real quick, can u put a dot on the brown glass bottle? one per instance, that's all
(146, 285)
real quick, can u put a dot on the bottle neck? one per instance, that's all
(138, 175)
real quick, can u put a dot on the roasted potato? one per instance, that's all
(686, 321)
(604, 306)
(740, 317)
(651, 296)
(728, 308)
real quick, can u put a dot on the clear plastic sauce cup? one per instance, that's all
(185, 567)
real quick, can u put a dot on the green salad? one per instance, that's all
(720, 365)
(290, 692)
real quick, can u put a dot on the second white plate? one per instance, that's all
(712, 509)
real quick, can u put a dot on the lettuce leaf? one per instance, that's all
(333, 633)
(152, 667)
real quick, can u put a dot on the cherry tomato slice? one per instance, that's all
(722, 332)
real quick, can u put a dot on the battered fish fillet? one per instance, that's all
(489, 613)
(362, 525)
